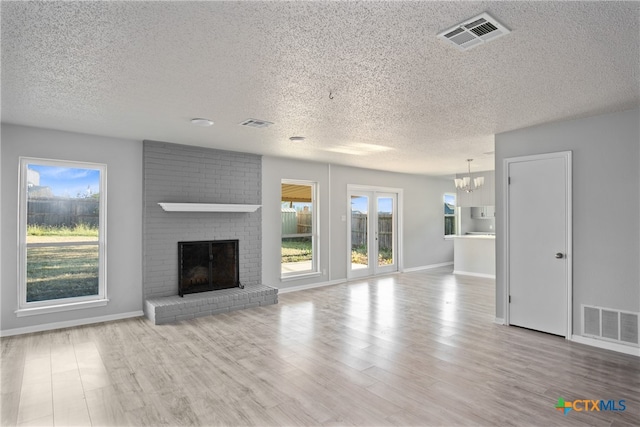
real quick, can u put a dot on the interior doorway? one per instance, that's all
(538, 242)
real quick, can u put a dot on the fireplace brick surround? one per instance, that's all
(187, 174)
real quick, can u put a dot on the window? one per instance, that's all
(62, 256)
(299, 228)
(450, 228)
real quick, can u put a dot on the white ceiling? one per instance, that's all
(402, 99)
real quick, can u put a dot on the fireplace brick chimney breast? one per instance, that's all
(179, 173)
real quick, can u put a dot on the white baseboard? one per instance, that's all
(620, 348)
(499, 320)
(310, 286)
(338, 281)
(426, 267)
(468, 273)
(69, 323)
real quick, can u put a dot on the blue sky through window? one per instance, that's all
(68, 182)
(449, 204)
(361, 204)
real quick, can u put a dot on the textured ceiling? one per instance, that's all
(402, 99)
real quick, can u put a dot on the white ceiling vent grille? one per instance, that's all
(611, 325)
(474, 31)
(255, 123)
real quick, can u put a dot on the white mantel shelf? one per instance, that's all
(207, 207)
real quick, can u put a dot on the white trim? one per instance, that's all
(315, 230)
(207, 207)
(400, 225)
(63, 244)
(498, 321)
(40, 307)
(329, 186)
(505, 241)
(78, 305)
(468, 273)
(427, 267)
(375, 188)
(297, 276)
(69, 323)
(566, 156)
(375, 276)
(310, 286)
(607, 345)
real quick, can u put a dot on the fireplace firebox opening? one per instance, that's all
(208, 266)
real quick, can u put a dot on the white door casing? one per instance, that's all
(538, 242)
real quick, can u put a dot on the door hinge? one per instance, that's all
(509, 299)
(509, 180)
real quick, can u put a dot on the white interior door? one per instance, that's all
(538, 242)
(373, 225)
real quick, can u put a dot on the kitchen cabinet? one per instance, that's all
(483, 212)
(475, 255)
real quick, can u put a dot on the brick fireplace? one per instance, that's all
(185, 174)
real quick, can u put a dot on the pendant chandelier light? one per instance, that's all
(464, 184)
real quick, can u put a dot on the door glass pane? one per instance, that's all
(385, 231)
(359, 232)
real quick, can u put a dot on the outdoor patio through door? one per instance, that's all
(373, 225)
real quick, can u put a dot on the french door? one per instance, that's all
(373, 233)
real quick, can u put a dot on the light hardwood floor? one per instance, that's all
(407, 349)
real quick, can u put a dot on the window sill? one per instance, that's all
(33, 311)
(449, 237)
(300, 276)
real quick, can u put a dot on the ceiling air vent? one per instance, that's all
(474, 31)
(255, 123)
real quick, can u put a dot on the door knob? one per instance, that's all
(559, 255)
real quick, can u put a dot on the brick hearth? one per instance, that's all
(174, 308)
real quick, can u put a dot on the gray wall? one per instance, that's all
(124, 217)
(423, 219)
(274, 170)
(180, 173)
(606, 205)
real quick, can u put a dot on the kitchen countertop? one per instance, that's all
(476, 236)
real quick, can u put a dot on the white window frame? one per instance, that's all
(315, 227)
(454, 216)
(63, 304)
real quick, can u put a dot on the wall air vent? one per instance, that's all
(611, 325)
(255, 123)
(474, 31)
